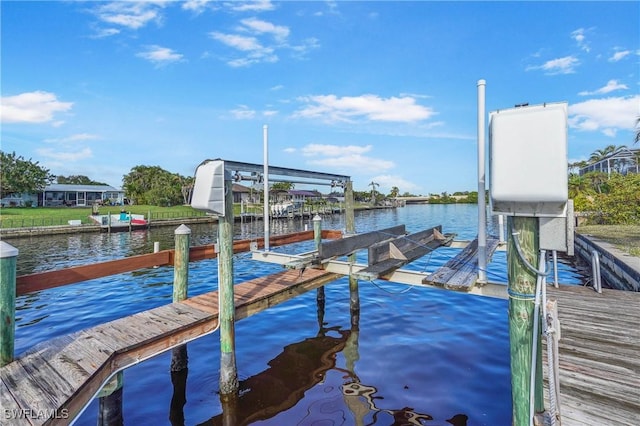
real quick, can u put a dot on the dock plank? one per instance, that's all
(66, 372)
(599, 367)
(461, 272)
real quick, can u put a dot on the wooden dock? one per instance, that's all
(461, 272)
(599, 356)
(59, 377)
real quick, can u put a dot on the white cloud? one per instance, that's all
(197, 6)
(79, 137)
(243, 113)
(581, 39)
(263, 27)
(256, 52)
(619, 55)
(611, 86)
(565, 65)
(251, 6)
(130, 14)
(346, 158)
(71, 156)
(315, 149)
(387, 182)
(606, 115)
(289, 150)
(160, 55)
(31, 107)
(371, 107)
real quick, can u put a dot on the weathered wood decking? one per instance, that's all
(461, 272)
(62, 375)
(599, 356)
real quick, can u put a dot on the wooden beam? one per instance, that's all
(389, 256)
(51, 279)
(349, 245)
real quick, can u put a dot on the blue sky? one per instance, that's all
(380, 91)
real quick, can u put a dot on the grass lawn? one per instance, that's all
(18, 217)
(624, 237)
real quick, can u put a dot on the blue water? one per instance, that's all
(433, 356)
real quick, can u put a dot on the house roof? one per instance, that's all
(61, 187)
(301, 192)
(240, 188)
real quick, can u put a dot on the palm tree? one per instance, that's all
(373, 191)
(394, 192)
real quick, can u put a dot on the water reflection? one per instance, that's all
(299, 367)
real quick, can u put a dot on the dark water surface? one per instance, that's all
(419, 356)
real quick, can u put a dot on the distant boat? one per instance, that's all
(120, 222)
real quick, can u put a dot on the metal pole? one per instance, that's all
(265, 215)
(482, 205)
(8, 256)
(228, 371)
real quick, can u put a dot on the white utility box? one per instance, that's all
(528, 160)
(208, 189)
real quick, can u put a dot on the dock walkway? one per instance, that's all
(59, 377)
(599, 356)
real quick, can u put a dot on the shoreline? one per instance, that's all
(35, 231)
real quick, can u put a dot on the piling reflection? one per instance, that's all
(179, 373)
(298, 368)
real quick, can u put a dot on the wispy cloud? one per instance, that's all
(69, 156)
(79, 137)
(259, 26)
(606, 115)
(580, 37)
(198, 6)
(257, 41)
(387, 182)
(619, 55)
(159, 55)
(250, 6)
(349, 158)
(130, 14)
(611, 86)
(31, 107)
(243, 112)
(255, 52)
(331, 108)
(564, 65)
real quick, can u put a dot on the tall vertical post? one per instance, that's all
(350, 228)
(179, 355)
(228, 371)
(521, 289)
(482, 205)
(265, 214)
(8, 257)
(320, 297)
(181, 263)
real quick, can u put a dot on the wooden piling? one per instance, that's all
(228, 371)
(521, 288)
(110, 402)
(8, 256)
(320, 297)
(181, 263)
(350, 228)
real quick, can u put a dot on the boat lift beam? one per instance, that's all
(399, 276)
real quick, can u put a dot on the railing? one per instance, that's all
(33, 222)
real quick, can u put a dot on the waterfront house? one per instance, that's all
(80, 195)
